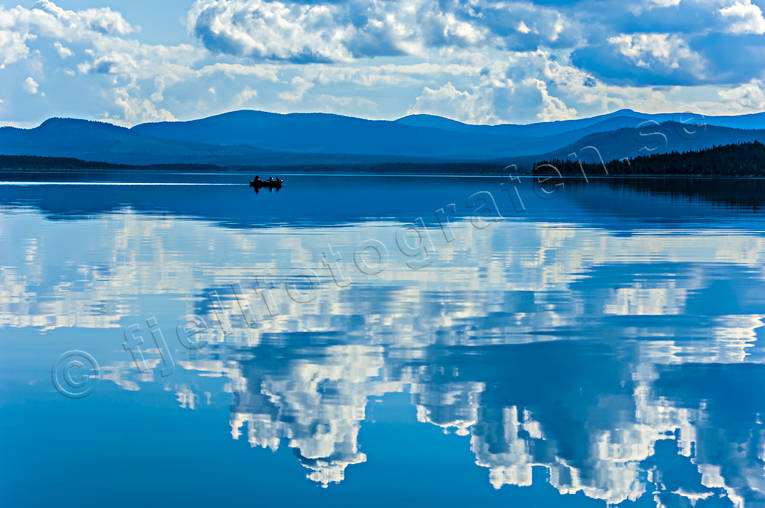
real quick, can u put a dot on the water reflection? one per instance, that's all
(748, 192)
(620, 351)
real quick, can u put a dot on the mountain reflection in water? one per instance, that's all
(609, 337)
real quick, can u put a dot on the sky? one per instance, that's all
(477, 61)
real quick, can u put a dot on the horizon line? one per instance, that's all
(117, 123)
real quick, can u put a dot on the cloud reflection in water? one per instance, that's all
(623, 360)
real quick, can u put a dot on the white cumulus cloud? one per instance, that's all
(747, 97)
(245, 96)
(745, 18)
(12, 47)
(31, 86)
(450, 102)
(343, 31)
(62, 50)
(655, 49)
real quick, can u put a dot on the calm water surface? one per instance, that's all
(373, 341)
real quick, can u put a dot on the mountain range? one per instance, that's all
(257, 138)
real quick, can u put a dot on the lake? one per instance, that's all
(180, 340)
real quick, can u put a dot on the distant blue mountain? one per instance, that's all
(88, 140)
(417, 135)
(247, 138)
(100, 141)
(622, 118)
(325, 133)
(651, 139)
(526, 130)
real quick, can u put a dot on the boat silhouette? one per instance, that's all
(271, 183)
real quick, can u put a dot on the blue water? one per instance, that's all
(188, 342)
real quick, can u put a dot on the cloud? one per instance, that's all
(48, 15)
(666, 3)
(645, 58)
(237, 70)
(19, 26)
(48, 20)
(136, 109)
(553, 108)
(526, 100)
(245, 96)
(31, 86)
(450, 102)
(343, 31)
(648, 42)
(745, 18)
(656, 42)
(62, 50)
(664, 51)
(300, 87)
(270, 30)
(342, 105)
(527, 88)
(483, 61)
(12, 47)
(747, 97)
(125, 77)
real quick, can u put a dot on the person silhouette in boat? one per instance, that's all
(256, 183)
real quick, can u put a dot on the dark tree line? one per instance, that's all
(745, 159)
(34, 162)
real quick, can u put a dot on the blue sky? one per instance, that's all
(480, 61)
